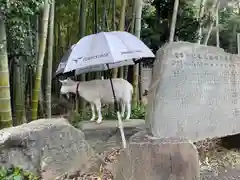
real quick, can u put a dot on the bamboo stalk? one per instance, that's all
(217, 26)
(50, 60)
(115, 70)
(82, 29)
(201, 12)
(174, 19)
(42, 47)
(17, 92)
(214, 7)
(122, 28)
(5, 103)
(138, 6)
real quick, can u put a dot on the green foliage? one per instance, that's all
(15, 173)
(139, 112)
(157, 20)
(20, 30)
(20, 8)
(229, 26)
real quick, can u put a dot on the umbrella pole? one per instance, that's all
(116, 108)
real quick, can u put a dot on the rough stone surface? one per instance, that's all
(157, 159)
(194, 92)
(106, 136)
(146, 77)
(49, 147)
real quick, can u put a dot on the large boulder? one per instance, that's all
(47, 147)
(194, 92)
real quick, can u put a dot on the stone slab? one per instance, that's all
(157, 159)
(194, 92)
(106, 136)
(86, 125)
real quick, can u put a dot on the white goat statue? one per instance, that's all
(99, 91)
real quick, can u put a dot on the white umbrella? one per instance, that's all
(105, 48)
(103, 51)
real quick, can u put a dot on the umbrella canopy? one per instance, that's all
(104, 67)
(116, 48)
(63, 61)
(98, 67)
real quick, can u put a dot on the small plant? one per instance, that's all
(15, 173)
(74, 118)
(139, 112)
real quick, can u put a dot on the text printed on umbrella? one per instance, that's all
(129, 52)
(92, 57)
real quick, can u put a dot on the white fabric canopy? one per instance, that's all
(106, 48)
(103, 67)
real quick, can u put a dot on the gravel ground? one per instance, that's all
(217, 163)
(103, 174)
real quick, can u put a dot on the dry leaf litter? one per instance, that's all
(211, 154)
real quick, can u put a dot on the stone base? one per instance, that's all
(148, 158)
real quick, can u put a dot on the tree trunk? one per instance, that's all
(104, 17)
(18, 93)
(136, 67)
(122, 28)
(140, 82)
(82, 29)
(217, 26)
(113, 15)
(115, 70)
(132, 31)
(201, 12)
(96, 28)
(41, 103)
(214, 7)
(30, 86)
(37, 38)
(42, 47)
(23, 68)
(5, 100)
(50, 60)
(174, 19)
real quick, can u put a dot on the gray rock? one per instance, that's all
(157, 159)
(49, 147)
(194, 92)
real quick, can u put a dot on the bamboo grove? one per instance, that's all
(34, 39)
(35, 34)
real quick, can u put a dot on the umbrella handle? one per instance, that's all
(120, 124)
(114, 95)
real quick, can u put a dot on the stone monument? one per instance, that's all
(177, 99)
(194, 92)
